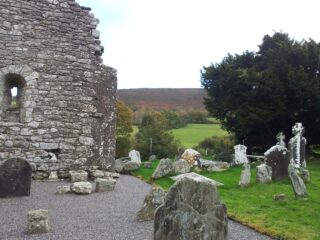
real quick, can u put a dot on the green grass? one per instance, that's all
(193, 134)
(254, 206)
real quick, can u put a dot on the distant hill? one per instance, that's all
(163, 98)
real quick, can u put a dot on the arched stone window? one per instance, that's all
(13, 97)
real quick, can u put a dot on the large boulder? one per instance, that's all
(151, 202)
(191, 210)
(191, 156)
(82, 188)
(181, 166)
(298, 185)
(164, 168)
(245, 175)
(264, 174)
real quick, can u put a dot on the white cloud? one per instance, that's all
(165, 43)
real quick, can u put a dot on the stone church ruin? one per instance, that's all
(63, 116)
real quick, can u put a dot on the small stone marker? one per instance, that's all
(103, 185)
(78, 176)
(152, 201)
(279, 197)
(264, 174)
(298, 185)
(245, 175)
(83, 188)
(240, 154)
(135, 156)
(192, 210)
(38, 221)
(15, 178)
(277, 157)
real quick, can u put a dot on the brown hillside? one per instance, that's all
(163, 98)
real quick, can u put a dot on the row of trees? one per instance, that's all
(257, 94)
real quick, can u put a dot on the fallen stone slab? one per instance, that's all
(83, 188)
(196, 177)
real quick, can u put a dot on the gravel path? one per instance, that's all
(105, 216)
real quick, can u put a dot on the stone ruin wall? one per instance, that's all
(65, 113)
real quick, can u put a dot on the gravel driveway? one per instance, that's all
(105, 216)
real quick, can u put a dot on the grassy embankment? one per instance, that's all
(254, 206)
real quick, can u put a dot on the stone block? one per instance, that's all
(78, 176)
(82, 188)
(103, 185)
(38, 221)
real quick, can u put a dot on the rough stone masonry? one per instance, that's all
(64, 113)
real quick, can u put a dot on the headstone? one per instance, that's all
(245, 175)
(240, 154)
(15, 178)
(191, 156)
(280, 139)
(135, 156)
(297, 147)
(264, 173)
(103, 185)
(164, 168)
(38, 221)
(298, 185)
(78, 176)
(192, 210)
(277, 157)
(81, 188)
(152, 201)
(180, 166)
(196, 177)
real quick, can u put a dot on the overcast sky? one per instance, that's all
(165, 43)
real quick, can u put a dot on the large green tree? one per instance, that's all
(258, 94)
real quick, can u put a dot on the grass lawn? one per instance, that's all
(254, 206)
(193, 134)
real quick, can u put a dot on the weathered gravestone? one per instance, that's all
(240, 154)
(264, 173)
(245, 175)
(135, 156)
(15, 178)
(277, 157)
(192, 210)
(297, 147)
(298, 185)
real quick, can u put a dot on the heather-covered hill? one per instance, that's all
(163, 98)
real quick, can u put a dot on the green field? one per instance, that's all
(193, 134)
(292, 219)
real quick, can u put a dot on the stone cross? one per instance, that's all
(297, 146)
(281, 137)
(240, 154)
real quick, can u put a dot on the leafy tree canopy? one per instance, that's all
(257, 94)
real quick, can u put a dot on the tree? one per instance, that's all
(256, 95)
(154, 130)
(124, 129)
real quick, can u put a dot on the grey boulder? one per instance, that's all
(81, 188)
(164, 168)
(191, 210)
(181, 166)
(103, 185)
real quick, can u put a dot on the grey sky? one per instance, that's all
(165, 43)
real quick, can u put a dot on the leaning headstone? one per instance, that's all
(81, 188)
(245, 175)
(38, 221)
(164, 168)
(277, 157)
(196, 177)
(264, 174)
(103, 185)
(297, 147)
(15, 178)
(240, 154)
(298, 185)
(135, 156)
(191, 210)
(152, 201)
(180, 166)
(78, 176)
(191, 156)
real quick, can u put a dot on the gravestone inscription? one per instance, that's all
(15, 178)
